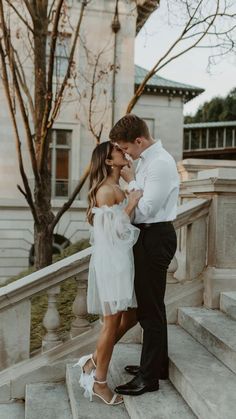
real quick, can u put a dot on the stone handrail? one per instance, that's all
(15, 298)
(15, 307)
(191, 211)
(191, 254)
(73, 265)
(44, 278)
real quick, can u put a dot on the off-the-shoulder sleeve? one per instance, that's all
(111, 269)
(112, 227)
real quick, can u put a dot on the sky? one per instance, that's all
(154, 39)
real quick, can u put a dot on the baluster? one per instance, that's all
(80, 324)
(51, 321)
(171, 271)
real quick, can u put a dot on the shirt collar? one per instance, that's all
(149, 151)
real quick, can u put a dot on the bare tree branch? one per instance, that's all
(59, 97)
(10, 54)
(54, 37)
(51, 10)
(22, 80)
(28, 194)
(167, 60)
(97, 136)
(30, 9)
(9, 2)
(70, 60)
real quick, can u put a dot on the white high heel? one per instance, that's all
(89, 393)
(81, 363)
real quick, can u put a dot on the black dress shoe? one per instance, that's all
(134, 369)
(136, 387)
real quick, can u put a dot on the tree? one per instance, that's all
(31, 32)
(39, 101)
(217, 109)
(202, 24)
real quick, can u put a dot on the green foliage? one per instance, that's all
(217, 109)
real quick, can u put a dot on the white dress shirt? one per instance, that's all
(156, 174)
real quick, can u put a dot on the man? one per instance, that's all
(157, 176)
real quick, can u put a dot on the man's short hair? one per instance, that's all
(128, 128)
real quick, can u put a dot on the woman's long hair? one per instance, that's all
(99, 171)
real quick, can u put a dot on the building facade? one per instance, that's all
(71, 139)
(210, 140)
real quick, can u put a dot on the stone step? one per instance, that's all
(214, 330)
(228, 303)
(163, 404)
(47, 401)
(206, 384)
(82, 408)
(12, 410)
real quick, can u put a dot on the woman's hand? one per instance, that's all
(133, 199)
(134, 196)
(127, 173)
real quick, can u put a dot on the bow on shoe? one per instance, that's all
(87, 383)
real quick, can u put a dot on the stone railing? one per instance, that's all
(15, 307)
(15, 298)
(191, 255)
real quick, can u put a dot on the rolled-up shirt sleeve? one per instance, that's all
(156, 189)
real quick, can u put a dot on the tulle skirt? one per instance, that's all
(111, 269)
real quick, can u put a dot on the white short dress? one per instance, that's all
(111, 269)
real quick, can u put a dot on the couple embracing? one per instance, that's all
(133, 241)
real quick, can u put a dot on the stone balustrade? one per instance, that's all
(15, 298)
(219, 185)
(15, 307)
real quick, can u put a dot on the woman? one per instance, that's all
(111, 270)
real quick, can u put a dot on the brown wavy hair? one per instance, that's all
(99, 171)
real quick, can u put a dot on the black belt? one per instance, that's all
(148, 225)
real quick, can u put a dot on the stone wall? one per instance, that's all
(163, 110)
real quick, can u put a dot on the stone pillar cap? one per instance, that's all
(220, 173)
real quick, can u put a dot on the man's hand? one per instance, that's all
(127, 173)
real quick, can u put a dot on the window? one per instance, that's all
(59, 162)
(186, 139)
(229, 137)
(212, 138)
(195, 139)
(220, 137)
(61, 54)
(204, 138)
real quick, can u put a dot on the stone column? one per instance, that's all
(51, 321)
(80, 324)
(220, 273)
(15, 333)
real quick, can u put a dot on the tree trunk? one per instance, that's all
(43, 241)
(43, 233)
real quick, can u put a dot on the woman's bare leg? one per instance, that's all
(114, 327)
(127, 321)
(104, 349)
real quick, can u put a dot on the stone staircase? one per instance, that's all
(202, 351)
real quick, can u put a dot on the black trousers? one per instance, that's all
(153, 252)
